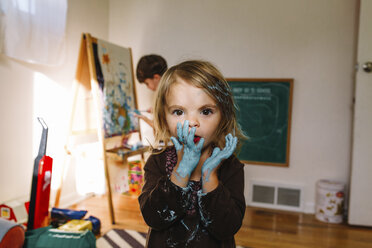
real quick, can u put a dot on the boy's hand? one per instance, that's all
(138, 114)
(191, 152)
(211, 164)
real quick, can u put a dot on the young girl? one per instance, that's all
(193, 194)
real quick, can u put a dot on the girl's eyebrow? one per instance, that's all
(208, 106)
(201, 107)
(175, 106)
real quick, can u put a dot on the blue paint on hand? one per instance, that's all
(137, 111)
(191, 151)
(217, 156)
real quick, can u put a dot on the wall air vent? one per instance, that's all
(275, 195)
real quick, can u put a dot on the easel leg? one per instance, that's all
(109, 193)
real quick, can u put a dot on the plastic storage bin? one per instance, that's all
(329, 201)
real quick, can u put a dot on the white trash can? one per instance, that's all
(330, 201)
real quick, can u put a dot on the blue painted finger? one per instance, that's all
(177, 144)
(190, 137)
(185, 131)
(232, 146)
(179, 132)
(215, 152)
(200, 144)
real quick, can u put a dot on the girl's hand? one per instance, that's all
(212, 163)
(191, 152)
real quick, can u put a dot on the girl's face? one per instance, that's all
(187, 102)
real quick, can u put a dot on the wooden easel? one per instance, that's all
(86, 79)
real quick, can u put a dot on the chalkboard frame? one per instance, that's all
(289, 81)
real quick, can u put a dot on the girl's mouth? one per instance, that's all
(196, 139)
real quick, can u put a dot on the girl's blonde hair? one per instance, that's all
(206, 76)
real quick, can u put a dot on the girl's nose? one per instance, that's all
(193, 122)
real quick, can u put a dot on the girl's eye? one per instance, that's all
(177, 112)
(207, 111)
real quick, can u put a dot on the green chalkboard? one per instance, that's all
(264, 113)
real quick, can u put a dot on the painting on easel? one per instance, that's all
(104, 74)
(115, 78)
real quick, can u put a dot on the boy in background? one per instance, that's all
(150, 69)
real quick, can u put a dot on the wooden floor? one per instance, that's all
(261, 227)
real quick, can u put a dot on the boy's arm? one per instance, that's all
(145, 119)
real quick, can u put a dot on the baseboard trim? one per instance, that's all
(71, 199)
(309, 208)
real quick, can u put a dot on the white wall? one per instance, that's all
(311, 41)
(20, 86)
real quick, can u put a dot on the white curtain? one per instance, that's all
(33, 30)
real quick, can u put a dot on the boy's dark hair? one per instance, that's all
(149, 65)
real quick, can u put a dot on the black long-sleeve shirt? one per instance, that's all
(186, 217)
